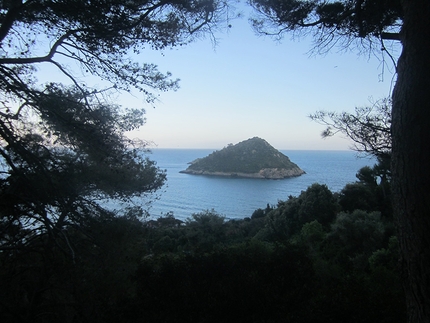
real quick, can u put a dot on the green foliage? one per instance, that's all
(260, 213)
(385, 258)
(65, 258)
(312, 233)
(63, 148)
(207, 269)
(206, 231)
(249, 156)
(367, 194)
(317, 203)
(74, 157)
(366, 175)
(320, 274)
(358, 196)
(285, 221)
(356, 235)
(64, 153)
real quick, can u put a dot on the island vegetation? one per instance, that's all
(254, 158)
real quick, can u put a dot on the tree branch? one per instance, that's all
(10, 17)
(390, 36)
(41, 59)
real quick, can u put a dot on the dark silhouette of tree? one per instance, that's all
(369, 128)
(63, 148)
(286, 220)
(372, 23)
(332, 23)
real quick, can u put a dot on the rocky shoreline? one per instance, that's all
(251, 158)
(265, 173)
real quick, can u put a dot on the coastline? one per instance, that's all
(265, 173)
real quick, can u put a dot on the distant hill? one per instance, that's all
(254, 158)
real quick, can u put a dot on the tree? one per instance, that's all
(358, 22)
(370, 193)
(370, 131)
(205, 231)
(63, 148)
(332, 23)
(58, 169)
(369, 128)
(285, 221)
(358, 234)
(358, 196)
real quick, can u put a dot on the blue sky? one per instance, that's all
(248, 86)
(254, 86)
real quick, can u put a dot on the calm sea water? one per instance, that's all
(186, 194)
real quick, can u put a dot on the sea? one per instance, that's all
(237, 198)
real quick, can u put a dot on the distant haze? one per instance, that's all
(253, 86)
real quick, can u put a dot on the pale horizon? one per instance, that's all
(249, 86)
(153, 146)
(254, 86)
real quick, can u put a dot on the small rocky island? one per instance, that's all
(252, 158)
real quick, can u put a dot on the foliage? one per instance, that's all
(98, 36)
(64, 257)
(357, 196)
(344, 270)
(316, 203)
(371, 192)
(377, 21)
(357, 234)
(245, 282)
(206, 231)
(371, 23)
(331, 22)
(210, 269)
(249, 156)
(312, 232)
(55, 173)
(43, 285)
(369, 128)
(260, 213)
(63, 149)
(64, 153)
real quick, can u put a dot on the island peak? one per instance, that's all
(252, 158)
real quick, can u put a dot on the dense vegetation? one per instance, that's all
(381, 27)
(317, 257)
(248, 156)
(64, 258)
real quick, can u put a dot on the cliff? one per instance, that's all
(253, 158)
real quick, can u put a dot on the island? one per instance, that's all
(252, 158)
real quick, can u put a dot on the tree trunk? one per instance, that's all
(411, 157)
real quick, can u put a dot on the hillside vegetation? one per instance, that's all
(316, 257)
(249, 157)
